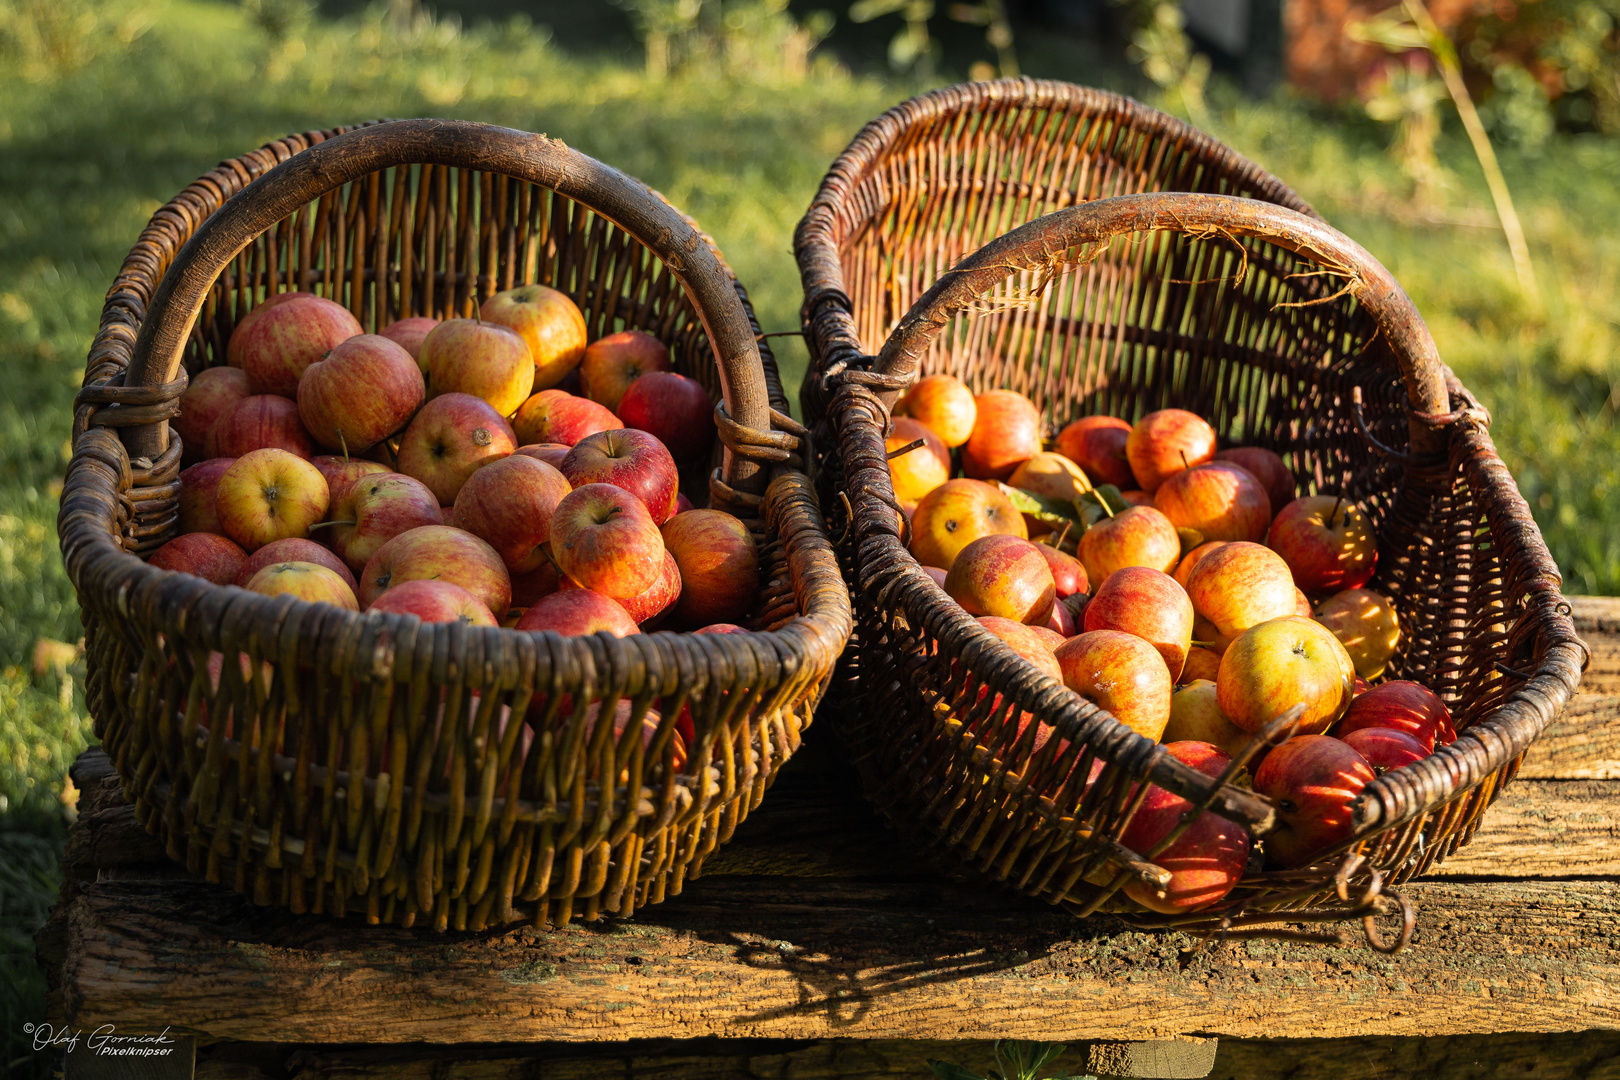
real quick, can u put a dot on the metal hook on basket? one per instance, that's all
(1369, 927)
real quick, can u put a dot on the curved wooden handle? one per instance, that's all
(327, 166)
(1041, 243)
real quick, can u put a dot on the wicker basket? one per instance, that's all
(1284, 334)
(369, 764)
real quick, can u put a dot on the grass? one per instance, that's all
(125, 101)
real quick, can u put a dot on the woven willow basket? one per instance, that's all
(373, 764)
(1284, 334)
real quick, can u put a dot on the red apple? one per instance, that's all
(1366, 623)
(365, 390)
(438, 552)
(509, 503)
(1278, 664)
(240, 334)
(1061, 622)
(647, 607)
(1196, 715)
(199, 490)
(1068, 576)
(1239, 585)
(306, 581)
(1385, 748)
(543, 580)
(257, 423)
(275, 347)
(1220, 500)
(556, 416)
(1401, 706)
(270, 495)
(1326, 541)
(942, 404)
(1136, 498)
(484, 359)
(1206, 860)
(604, 538)
(342, 471)
(1121, 673)
(450, 439)
(552, 453)
(1097, 445)
(434, 602)
(955, 514)
(1164, 443)
(718, 563)
(207, 555)
(1273, 474)
(1313, 780)
(1049, 637)
(294, 549)
(1136, 536)
(1005, 576)
(675, 409)
(1184, 568)
(409, 334)
(612, 363)
(549, 322)
(1029, 644)
(937, 574)
(1148, 603)
(213, 392)
(1006, 432)
(916, 472)
(577, 612)
(628, 459)
(373, 510)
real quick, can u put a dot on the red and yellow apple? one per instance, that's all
(434, 602)
(438, 552)
(1385, 748)
(212, 393)
(1313, 780)
(1326, 541)
(1196, 715)
(1272, 472)
(1097, 445)
(719, 566)
(1239, 585)
(484, 359)
(450, 439)
(1220, 500)
(342, 471)
(955, 514)
(257, 423)
(1401, 705)
(199, 490)
(1121, 673)
(1135, 536)
(409, 334)
(1281, 663)
(555, 416)
(577, 612)
(294, 549)
(366, 388)
(605, 539)
(270, 495)
(549, 322)
(1366, 623)
(1005, 576)
(942, 404)
(509, 504)
(919, 471)
(1148, 603)
(275, 345)
(612, 363)
(207, 555)
(1166, 442)
(372, 510)
(1006, 432)
(1209, 856)
(675, 409)
(306, 581)
(1068, 576)
(629, 459)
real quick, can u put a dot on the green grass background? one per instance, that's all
(143, 97)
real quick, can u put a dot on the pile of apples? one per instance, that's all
(1183, 588)
(445, 470)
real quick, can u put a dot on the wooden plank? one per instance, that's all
(1546, 829)
(1584, 743)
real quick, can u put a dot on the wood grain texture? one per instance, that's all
(1545, 829)
(1584, 743)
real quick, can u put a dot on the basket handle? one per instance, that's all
(1037, 245)
(322, 168)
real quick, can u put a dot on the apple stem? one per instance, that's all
(906, 449)
(1058, 543)
(1102, 500)
(345, 444)
(1203, 644)
(1185, 464)
(329, 524)
(1336, 504)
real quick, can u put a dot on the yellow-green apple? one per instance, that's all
(1051, 476)
(916, 472)
(484, 359)
(1184, 568)
(276, 347)
(211, 394)
(1121, 673)
(1097, 445)
(942, 404)
(1135, 536)
(372, 510)
(1005, 576)
(434, 602)
(1206, 860)
(648, 607)
(438, 552)
(1401, 705)
(955, 514)
(1068, 576)
(1148, 603)
(719, 566)
(1201, 663)
(1313, 780)
(1164, 443)
(451, 438)
(409, 334)
(1365, 621)
(549, 322)
(1281, 663)
(509, 503)
(543, 580)
(258, 422)
(240, 334)
(1326, 541)
(552, 453)
(294, 549)
(555, 416)
(612, 363)
(270, 495)
(199, 490)
(342, 471)
(1273, 474)
(603, 537)
(1006, 431)
(306, 581)
(1239, 585)
(207, 555)
(365, 389)
(675, 409)
(1385, 748)
(577, 612)
(628, 459)
(1196, 715)
(1220, 500)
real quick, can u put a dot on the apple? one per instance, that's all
(1166, 442)
(1206, 860)
(1051, 476)
(1005, 576)
(1121, 673)
(1195, 714)
(647, 607)
(1148, 603)
(549, 322)
(1052, 638)
(1097, 445)
(1136, 498)
(605, 539)
(306, 581)
(270, 495)
(342, 471)
(577, 612)
(545, 579)
(207, 555)
(1366, 623)
(438, 552)
(942, 404)
(257, 422)
(937, 574)
(1027, 643)
(1220, 500)
(1068, 576)
(955, 514)
(275, 347)
(1313, 780)
(486, 360)
(672, 407)
(1326, 541)
(451, 437)
(552, 453)
(1006, 431)
(1135, 536)
(1201, 663)
(199, 490)
(719, 566)
(365, 389)
(1281, 663)
(1385, 748)
(434, 602)
(1184, 568)
(1302, 606)
(556, 416)
(1240, 585)
(612, 363)
(629, 459)
(916, 472)
(1273, 474)
(294, 549)
(212, 393)
(372, 510)
(1401, 706)
(240, 335)
(409, 334)
(509, 504)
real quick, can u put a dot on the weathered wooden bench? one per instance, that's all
(816, 945)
